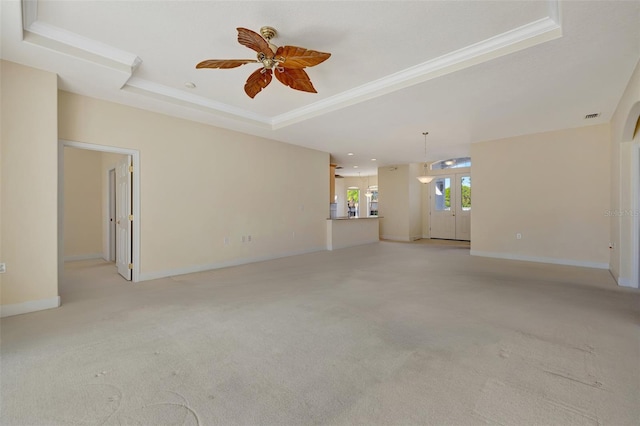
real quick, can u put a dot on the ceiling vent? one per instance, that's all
(594, 115)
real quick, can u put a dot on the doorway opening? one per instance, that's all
(120, 187)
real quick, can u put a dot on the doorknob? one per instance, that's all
(118, 222)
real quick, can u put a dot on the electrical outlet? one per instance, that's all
(226, 241)
(3, 268)
(249, 238)
(518, 236)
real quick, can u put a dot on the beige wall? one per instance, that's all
(623, 124)
(201, 184)
(399, 202)
(28, 232)
(415, 205)
(552, 187)
(82, 204)
(393, 204)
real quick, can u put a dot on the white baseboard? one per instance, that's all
(29, 306)
(625, 282)
(394, 238)
(83, 257)
(146, 276)
(554, 260)
(347, 245)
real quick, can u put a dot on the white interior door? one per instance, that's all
(112, 216)
(123, 217)
(443, 217)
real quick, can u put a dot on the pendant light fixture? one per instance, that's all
(425, 178)
(368, 194)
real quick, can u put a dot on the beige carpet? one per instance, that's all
(383, 334)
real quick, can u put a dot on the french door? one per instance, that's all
(450, 212)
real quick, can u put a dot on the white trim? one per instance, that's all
(180, 97)
(555, 13)
(135, 157)
(29, 306)
(225, 264)
(635, 225)
(538, 259)
(83, 257)
(65, 41)
(29, 13)
(106, 214)
(60, 40)
(626, 282)
(395, 238)
(528, 35)
(332, 247)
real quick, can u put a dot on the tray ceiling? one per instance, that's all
(464, 71)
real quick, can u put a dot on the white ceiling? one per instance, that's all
(465, 71)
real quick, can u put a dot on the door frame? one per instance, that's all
(455, 191)
(635, 203)
(426, 195)
(451, 213)
(135, 158)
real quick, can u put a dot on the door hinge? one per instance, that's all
(131, 168)
(131, 217)
(131, 266)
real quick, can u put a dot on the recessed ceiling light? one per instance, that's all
(350, 153)
(190, 85)
(355, 167)
(374, 159)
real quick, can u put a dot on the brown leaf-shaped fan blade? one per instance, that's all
(254, 41)
(224, 63)
(257, 81)
(295, 78)
(299, 57)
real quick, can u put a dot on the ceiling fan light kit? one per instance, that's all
(286, 62)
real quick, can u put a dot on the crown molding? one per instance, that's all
(520, 38)
(66, 42)
(180, 97)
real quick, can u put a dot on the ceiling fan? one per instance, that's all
(286, 62)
